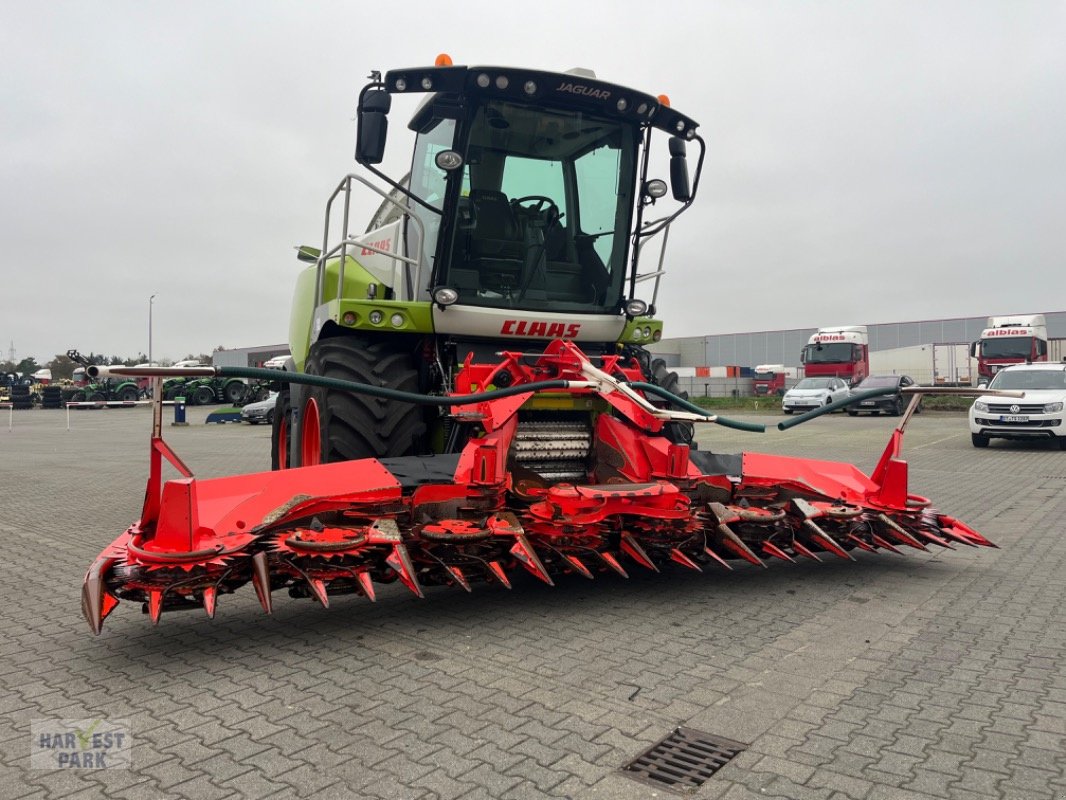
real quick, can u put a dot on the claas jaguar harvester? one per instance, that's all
(471, 393)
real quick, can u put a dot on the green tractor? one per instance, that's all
(523, 219)
(111, 389)
(205, 391)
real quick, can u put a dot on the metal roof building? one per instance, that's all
(784, 346)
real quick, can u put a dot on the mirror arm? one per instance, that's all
(695, 187)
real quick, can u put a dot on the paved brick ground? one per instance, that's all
(925, 676)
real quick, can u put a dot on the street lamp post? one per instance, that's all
(150, 301)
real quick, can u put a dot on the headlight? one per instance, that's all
(1051, 408)
(979, 406)
(636, 308)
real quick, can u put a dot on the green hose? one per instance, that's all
(829, 409)
(384, 392)
(725, 422)
(462, 399)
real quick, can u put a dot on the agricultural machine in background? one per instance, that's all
(471, 393)
(203, 390)
(86, 389)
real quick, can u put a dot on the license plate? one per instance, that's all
(1014, 418)
(868, 403)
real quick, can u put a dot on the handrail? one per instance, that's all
(345, 186)
(659, 271)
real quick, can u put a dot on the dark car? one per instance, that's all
(890, 403)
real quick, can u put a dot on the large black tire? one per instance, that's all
(676, 432)
(204, 395)
(234, 393)
(128, 393)
(979, 440)
(352, 426)
(279, 432)
(897, 409)
(97, 397)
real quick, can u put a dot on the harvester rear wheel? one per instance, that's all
(355, 426)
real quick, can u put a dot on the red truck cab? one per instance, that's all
(840, 352)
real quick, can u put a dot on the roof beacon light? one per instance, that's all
(664, 100)
(442, 60)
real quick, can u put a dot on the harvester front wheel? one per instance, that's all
(676, 432)
(279, 432)
(352, 426)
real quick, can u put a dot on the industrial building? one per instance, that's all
(746, 350)
(248, 356)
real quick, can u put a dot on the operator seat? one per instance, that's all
(495, 245)
(565, 280)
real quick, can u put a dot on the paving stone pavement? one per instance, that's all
(926, 676)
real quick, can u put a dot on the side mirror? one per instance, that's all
(679, 170)
(374, 105)
(973, 349)
(307, 253)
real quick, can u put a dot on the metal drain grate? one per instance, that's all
(683, 761)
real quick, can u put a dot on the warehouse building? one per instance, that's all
(248, 356)
(747, 350)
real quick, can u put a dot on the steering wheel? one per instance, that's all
(539, 204)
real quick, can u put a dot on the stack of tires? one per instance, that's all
(52, 397)
(20, 396)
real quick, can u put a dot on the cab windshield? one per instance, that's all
(542, 217)
(831, 353)
(1007, 347)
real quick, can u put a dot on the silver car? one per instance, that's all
(811, 393)
(263, 411)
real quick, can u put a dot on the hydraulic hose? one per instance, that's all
(725, 422)
(463, 399)
(281, 376)
(829, 409)
(384, 392)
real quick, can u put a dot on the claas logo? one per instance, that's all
(551, 330)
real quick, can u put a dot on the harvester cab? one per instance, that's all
(522, 220)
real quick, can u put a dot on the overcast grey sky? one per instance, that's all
(868, 161)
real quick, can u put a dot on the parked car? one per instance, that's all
(811, 393)
(1038, 415)
(263, 411)
(890, 403)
